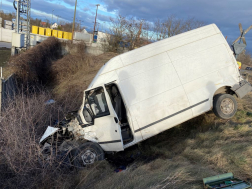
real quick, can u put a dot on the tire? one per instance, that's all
(224, 106)
(86, 154)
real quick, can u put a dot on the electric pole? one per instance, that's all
(1, 10)
(95, 19)
(17, 16)
(74, 20)
(23, 8)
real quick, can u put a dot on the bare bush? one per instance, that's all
(245, 58)
(22, 123)
(34, 65)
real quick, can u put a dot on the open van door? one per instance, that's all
(105, 121)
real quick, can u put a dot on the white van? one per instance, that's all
(141, 93)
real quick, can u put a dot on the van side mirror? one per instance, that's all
(88, 115)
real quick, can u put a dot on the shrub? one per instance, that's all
(22, 124)
(34, 65)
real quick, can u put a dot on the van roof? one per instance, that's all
(153, 49)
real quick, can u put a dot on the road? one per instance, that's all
(5, 44)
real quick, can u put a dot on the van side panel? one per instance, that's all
(147, 78)
(153, 91)
(162, 111)
(201, 63)
(204, 68)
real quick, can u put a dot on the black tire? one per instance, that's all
(86, 154)
(224, 106)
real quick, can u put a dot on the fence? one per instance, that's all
(8, 89)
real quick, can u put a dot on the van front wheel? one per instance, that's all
(86, 154)
(224, 106)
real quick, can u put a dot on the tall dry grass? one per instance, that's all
(73, 73)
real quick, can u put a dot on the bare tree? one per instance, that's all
(126, 33)
(132, 32)
(172, 26)
(191, 24)
(116, 32)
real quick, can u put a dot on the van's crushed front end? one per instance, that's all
(59, 140)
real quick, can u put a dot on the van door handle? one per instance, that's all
(116, 120)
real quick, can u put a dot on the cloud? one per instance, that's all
(227, 14)
(70, 2)
(86, 9)
(102, 17)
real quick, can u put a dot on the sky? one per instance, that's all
(226, 14)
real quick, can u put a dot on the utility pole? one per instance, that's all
(95, 19)
(1, 10)
(18, 16)
(74, 19)
(23, 8)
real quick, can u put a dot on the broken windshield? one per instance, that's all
(96, 102)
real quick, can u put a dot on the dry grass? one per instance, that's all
(74, 72)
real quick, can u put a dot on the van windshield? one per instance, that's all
(96, 102)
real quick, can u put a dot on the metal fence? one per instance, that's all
(8, 89)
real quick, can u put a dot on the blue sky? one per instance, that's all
(226, 14)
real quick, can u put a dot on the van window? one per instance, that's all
(96, 102)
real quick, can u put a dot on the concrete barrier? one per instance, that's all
(95, 48)
(6, 35)
(86, 37)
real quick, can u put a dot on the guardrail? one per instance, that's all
(50, 32)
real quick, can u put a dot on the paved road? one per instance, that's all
(5, 44)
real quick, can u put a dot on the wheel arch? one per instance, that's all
(225, 89)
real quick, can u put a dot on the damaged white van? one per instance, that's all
(141, 93)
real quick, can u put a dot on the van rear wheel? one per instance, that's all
(224, 106)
